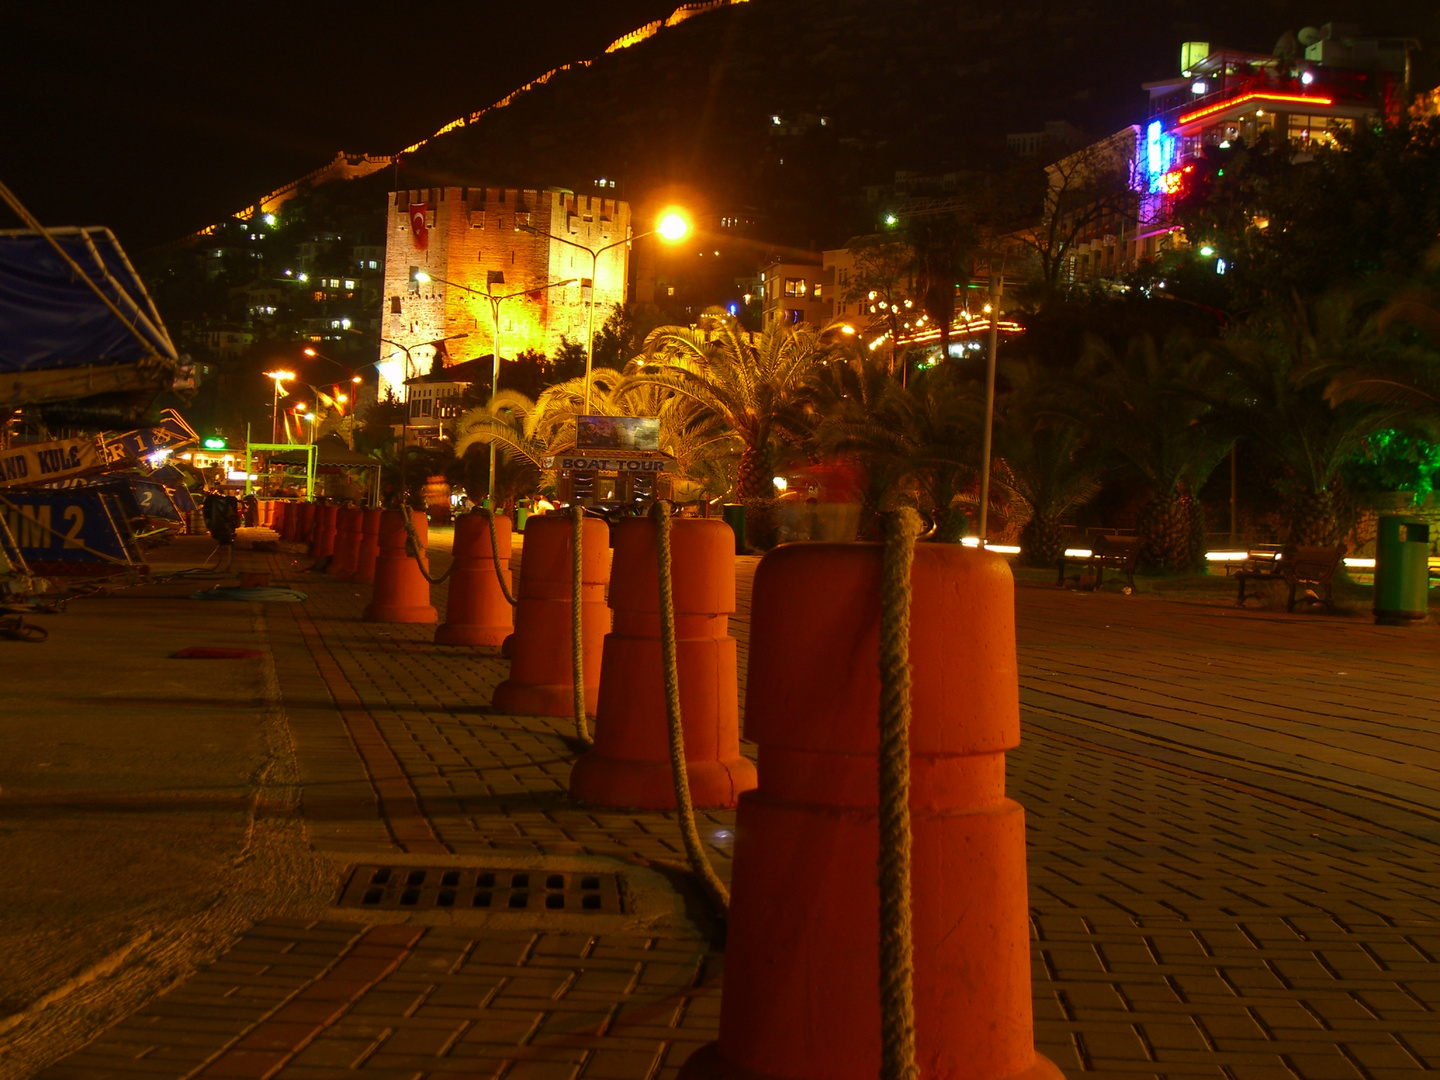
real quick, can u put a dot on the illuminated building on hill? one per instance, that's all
(476, 238)
(1314, 87)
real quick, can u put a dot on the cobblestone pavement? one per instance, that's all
(1233, 863)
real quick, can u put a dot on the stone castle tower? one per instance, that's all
(471, 232)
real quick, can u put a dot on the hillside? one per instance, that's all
(918, 85)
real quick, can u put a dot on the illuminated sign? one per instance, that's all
(617, 433)
(1159, 155)
(1254, 95)
(214, 444)
(576, 463)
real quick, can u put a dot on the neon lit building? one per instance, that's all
(1315, 85)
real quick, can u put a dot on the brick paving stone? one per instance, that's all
(1233, 854)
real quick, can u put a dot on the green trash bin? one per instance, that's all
(1402, 570)
(734, 514)
(522, 515)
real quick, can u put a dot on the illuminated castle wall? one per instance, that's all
(472, 231)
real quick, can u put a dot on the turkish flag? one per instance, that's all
(417, 225)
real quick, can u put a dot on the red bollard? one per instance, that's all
(305, 526)
(802, 971)
(288, 513)
(401, 592)
(277, 517)
(541, 681)
(630, 762)
(323, 544)
(347, 542)
(369, 550)
(476, 611)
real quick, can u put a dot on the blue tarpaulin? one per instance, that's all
(50, 318)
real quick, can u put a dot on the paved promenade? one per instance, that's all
(1234, 827)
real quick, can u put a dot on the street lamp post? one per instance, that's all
(495, 302)
(997, 285)
(672, 227)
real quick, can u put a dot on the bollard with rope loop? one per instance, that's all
(412, 548)
(495, 554)
(897, 964)
(689, 834)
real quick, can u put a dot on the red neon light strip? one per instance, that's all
(1254, 95)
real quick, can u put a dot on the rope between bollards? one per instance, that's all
(694, 850)
(577, 627)
(897, 960)
(495, 555)
(412, 545)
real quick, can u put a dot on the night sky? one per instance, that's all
(158, 119)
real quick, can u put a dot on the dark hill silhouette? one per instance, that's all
(902, 84)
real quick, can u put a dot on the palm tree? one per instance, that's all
(534, 431)
(1402, 368)
(921, 441)
(742, 380)
(1144, 405)
(1281, 370)
(835, 413)
(1045, 459)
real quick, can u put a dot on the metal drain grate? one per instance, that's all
(431, 887)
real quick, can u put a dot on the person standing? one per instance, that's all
(222, 518)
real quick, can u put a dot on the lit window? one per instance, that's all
(349, 284)
(794, 286)
(670, 291)
(374, 265)
(816, 293)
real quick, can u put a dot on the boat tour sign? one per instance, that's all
(589, 463)
(42, 463)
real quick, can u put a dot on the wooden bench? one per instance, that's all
(1259, 561)
(1106, 553)
(1313, 567)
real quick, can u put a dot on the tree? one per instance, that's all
(882, 283)
(918, 442)
(1279, 368)
(1305, 224)
(1046, 459)
(1144, 405)
(623, 333)
(741, 379)
(943, 247)
(1083, 195)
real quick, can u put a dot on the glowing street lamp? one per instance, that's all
(671, 226)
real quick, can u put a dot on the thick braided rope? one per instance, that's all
(495, 554)
(412, 545)
(577, 616)
(897, 1005)
(699, 863)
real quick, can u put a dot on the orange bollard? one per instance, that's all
(347, 542)
(541, 681)
(476, 611)
(401, 592)
(323, 543)
(305, 527)
(286, 517)
(369, 549)
(630, 762)
(802, 971)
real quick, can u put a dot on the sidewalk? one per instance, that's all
(1233, 863)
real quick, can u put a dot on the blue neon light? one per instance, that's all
(1159, 155)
